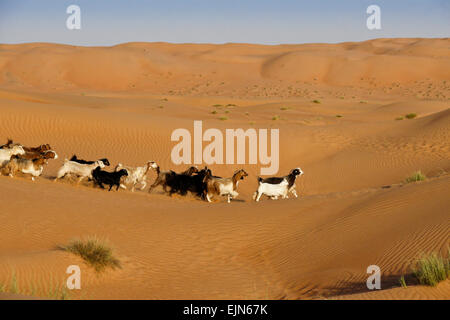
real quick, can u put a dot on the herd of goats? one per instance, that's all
(15, 158)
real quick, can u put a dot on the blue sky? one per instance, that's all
(108, 22)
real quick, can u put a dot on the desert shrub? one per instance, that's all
(432, 269)
(410, 116)
(95, 252)
(416, 176)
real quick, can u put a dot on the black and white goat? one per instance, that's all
(75, 159)
(275, 187)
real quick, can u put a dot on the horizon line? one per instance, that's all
(219, 44)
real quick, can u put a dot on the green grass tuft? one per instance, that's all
(416, 176)
(432, 269)
(223, 118)
(13, 287)
(402, 282)
(275, 117)
(399, 118)
(95, 252)
(410, 116)
(316, 101)
(53, 292)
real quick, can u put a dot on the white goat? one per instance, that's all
(79, 169)
(136, 175)
(7, 153)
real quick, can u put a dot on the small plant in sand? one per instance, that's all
(275, 117)
(214, 112)
(402, 282)
(58, 291)
(338, 116)
(432, 269)
(223, 118)
(410, 116)
(217, 105)
(284, 108)
(399, 118)
(316, 101)
(13, 287)
(95, 252)
(416, 176)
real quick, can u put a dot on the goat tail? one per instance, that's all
(260, 179)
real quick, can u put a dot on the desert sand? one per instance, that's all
(336, 106)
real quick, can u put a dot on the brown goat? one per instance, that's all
(41, 148)
(223, 186)
(27, 166)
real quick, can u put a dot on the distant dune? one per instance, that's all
(341, 113)
(153, 67)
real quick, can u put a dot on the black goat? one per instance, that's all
(110, 178)
(184, 183)
(75, 159)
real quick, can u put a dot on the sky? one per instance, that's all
(109, 22)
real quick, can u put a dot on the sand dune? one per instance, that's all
(123, 102)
